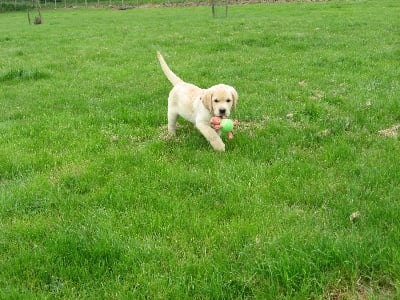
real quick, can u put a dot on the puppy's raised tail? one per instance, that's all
(167, 71)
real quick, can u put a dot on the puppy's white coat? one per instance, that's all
(198, 105)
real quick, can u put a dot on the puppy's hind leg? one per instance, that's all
(172, 119)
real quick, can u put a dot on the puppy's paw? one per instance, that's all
(220, 147)
(171, 131)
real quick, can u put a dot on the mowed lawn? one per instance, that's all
(97, 202)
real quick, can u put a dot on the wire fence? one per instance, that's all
(18, 5)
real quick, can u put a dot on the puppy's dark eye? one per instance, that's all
(216, 100)
(228, 100)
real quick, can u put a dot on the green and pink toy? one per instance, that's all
(224, 125)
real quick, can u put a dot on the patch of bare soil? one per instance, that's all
(392, 132)
(207, 3)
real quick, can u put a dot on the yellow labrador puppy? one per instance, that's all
(198, 105)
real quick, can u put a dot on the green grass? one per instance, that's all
(96, 202)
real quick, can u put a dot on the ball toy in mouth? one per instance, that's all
(227, 125)
(224, 125)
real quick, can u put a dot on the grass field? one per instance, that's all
(97, 203)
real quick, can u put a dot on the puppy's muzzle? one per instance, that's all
(222, 112)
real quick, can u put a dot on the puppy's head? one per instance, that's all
(220, 100)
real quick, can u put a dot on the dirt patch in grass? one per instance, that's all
(206, 3)
(392, 132)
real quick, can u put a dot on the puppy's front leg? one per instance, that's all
(211, 135)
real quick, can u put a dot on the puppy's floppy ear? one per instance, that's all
(206, 98)
(235, 98)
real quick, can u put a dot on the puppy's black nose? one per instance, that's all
(222, 111)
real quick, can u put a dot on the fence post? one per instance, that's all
(215, 3)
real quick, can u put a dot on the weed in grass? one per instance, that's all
(21, 74)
